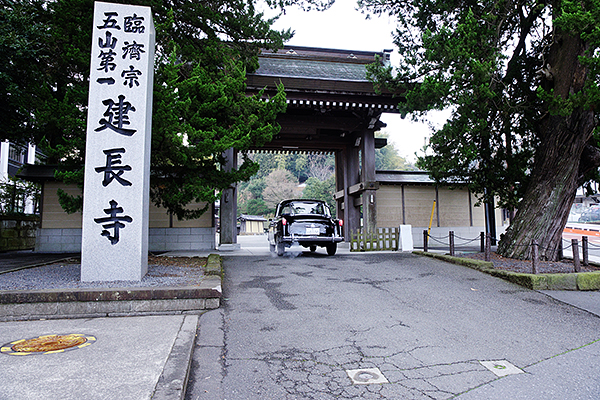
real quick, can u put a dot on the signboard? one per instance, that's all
(117, 159)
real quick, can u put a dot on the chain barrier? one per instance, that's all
(439, 240)
(566, 244)
(570, 244)
(535, 248)
(467, 241)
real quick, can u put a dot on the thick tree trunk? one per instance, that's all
(543, 213)
(545, 208)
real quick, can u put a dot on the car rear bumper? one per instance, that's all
(311, 239)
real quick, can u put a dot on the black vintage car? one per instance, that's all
(304, 222)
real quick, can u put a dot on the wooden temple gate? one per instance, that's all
(331, 108)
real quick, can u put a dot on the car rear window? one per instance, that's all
(303, 208)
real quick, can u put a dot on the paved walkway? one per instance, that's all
(133, 358)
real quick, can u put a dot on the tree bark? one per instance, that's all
(545, 208)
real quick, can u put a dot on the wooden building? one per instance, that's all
(407, 198)
(252, 224)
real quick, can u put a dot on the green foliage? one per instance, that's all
(21, 29)
(43, 87)
(258, 207)
(70, 204)
(250, 197)
(14, 195)
(321, 190)
(256, 188)
(306, 5)
(388, 159)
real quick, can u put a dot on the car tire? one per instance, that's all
(331, 249)
(313, 248)
(280, 249)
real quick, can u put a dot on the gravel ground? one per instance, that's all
(545, 267)
(162, 271)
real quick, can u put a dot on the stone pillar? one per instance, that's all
(4, 147)
(117, 164)
(369, 199)
(340, 179)
(228, 210)
(30, 154)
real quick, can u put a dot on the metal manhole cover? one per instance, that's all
(47, 344)
(366, 376)
(501, 367)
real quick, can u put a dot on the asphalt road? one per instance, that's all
(292, 327)
(15, 260)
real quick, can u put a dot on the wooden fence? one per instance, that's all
(378, 240)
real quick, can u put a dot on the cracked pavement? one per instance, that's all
(290, 327)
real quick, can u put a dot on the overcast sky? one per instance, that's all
(343, 27)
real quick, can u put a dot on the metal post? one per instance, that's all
(425, 238)
(535, 256)
(451, 240)
(431, 218)
(560, 249)
(584, 250)
(482, 240)
(488, 247)
(576, 263)
(13, 198)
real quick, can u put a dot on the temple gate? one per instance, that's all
(332, 108)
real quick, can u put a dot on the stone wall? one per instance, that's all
(68, 240)
(61, 232)
(18, 232)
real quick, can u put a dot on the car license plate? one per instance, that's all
(313, 231)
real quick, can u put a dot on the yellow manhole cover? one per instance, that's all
(47, 344)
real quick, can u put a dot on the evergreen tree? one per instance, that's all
(521, 78)
(388, 159)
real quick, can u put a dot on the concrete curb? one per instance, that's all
(20, 305)
(572, 281)
(214, 265)
(173, 380)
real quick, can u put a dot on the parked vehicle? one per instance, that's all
(305, 222)
(591, 215)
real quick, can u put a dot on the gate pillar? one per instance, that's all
(228, 209)
(369, 182)
(351, 177)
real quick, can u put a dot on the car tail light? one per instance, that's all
(341, 222)
(284, 221)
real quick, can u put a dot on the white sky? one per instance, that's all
(343, 27)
